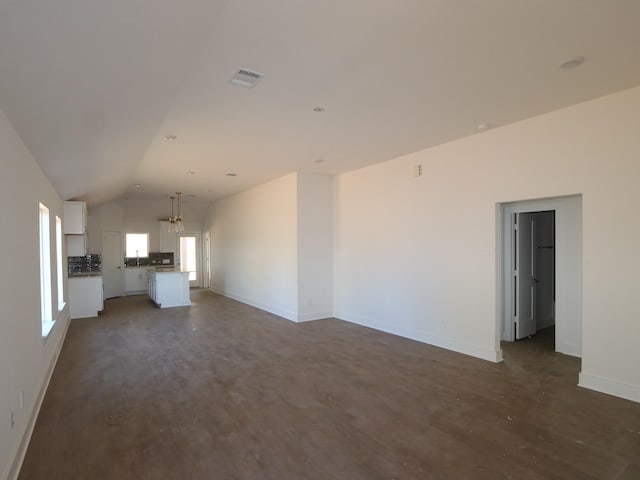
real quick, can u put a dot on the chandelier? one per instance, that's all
(175, 222)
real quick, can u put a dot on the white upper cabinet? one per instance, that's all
(76, 245)
(75, 218)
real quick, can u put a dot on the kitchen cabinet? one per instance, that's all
(135, 280)
(169, 289)
(86, 296)
(168, 240)
(75, 218)
(74, 226)
(76, 245)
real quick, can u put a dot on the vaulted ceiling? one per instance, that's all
(95, 86)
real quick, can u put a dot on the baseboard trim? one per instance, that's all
(309, 317)
(447, 343)
(16, 465)
(609, 386)
(281, 312)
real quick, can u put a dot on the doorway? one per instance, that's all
(533, 267)
(541, 265)
(206, 260)
(189, 254)
(112, 263)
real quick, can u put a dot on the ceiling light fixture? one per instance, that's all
(246, 78)
(175, 223)
(137, 185)
(170, 138)
(191, 172)
(318, 109)
(483, 127)
(231, 174)
(318, 160)
(572, 63)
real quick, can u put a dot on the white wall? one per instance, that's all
(109, 216)
(26, 360)
(272, 246)
(417, 256)
(254, 247)
(140, 216)
(315, 246)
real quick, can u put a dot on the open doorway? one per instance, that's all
(112, 264)
(206, 260)
(533, 267)
(189, 253)
(541, 263)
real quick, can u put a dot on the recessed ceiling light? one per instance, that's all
(246, 78)
(483, 127)
(191, 172)
(231, 174)
(137, 185)
(192, 195)
(170, 137)
(318, 109)
(572, 63)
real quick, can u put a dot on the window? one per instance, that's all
(59, 263)
(46, 313)
(137, 245)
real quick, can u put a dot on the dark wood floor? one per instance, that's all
(225, 391)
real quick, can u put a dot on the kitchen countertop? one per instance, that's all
(155, 268)
(85, 274)
(167, 270)
(148, 267)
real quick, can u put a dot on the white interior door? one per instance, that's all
(112, 263)
(524, 271)
(189, 254)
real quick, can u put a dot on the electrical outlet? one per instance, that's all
(12, 421)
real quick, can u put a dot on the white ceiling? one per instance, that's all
(93, 86)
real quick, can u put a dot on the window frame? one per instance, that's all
(59, 265)
(126, 244)
(46, 302)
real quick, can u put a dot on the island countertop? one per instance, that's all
(166, 270)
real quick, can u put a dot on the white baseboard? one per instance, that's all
(281, 312)
(491, 355)
(473, 350)
(294, 317)
(308, 317)
(609, 386)
(19, 455)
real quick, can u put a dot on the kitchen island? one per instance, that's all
(169, 288)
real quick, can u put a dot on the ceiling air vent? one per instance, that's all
(246, 78)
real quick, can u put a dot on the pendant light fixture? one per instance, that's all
(172, 219)
(179, 224)
(175, 222)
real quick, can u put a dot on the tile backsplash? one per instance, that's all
(154, 258)
(91, 263)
